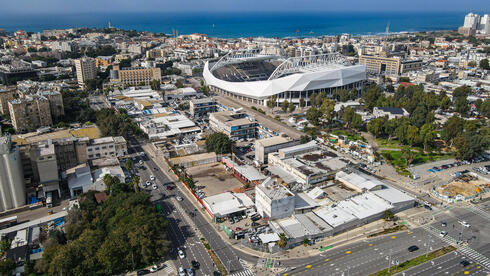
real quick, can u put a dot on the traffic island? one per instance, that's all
(415, 261)
(219, 265)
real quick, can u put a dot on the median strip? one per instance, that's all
(415, 261)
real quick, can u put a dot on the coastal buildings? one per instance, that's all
(86, 70)
(475, 24)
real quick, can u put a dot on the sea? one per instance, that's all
(244, 24)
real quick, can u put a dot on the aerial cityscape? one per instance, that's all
(244, 138)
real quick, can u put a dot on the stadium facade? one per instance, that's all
(250, 76)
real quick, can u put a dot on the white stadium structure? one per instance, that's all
(254, 77)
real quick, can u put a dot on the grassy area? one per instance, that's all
(390, 230)
(216, 260)
(349, 135)
(396, 159)
(415, 261)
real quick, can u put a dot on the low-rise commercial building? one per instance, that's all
(236, 125)
(202, 107)
(273, 200)
(267, 145)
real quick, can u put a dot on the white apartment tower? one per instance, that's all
(86, 69)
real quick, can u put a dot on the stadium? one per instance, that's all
(251, 76)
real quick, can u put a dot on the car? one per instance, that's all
(413, 248)
(142, 272)
(154, 268)
(154, 186)
(152, 177)
(464, 223)
(170, 188)
(443, 234)
(464, 263)
(443, 224)
(179, 198)
(195, 264)
(236, 219)
(254, 224)
(444, 167)
(181, 254)
(238, 229)
(190, 272)
(181, 271)
(140, 162)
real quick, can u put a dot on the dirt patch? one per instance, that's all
(465, 185)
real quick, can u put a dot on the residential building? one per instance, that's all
(6, 94)
(55, 103)
(389, 65)
(135, 75)
(201, 107)
(107, 147)
(236, 125)
(30, 112)
(45, 167)
(103, 61)
(86, 69)
(391, 112)
(12, 188)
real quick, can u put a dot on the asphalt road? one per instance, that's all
(180, 233)
(183, 234)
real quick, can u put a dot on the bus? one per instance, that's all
(7, 222)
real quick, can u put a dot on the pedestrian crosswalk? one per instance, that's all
(464, 249)
(479, 211)
(246, 272)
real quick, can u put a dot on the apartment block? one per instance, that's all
(30, 113)
(135, 75)
(107, 147)
(6, 94)
(86, 69)
(55, 103)
(389, 65)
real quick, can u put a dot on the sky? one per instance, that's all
(87, 6)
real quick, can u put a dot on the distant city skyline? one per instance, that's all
(63, 6)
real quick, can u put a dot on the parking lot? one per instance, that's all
(213, 179)
(444, 169)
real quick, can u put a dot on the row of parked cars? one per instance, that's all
(459, 163)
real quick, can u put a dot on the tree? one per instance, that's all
(408, 155)
(155, 85)
(313, 115)
(4, 246)
(472, 64)
(272, 102)
(375, 126)
(328, 109)
(484, 108)
(128, 164)
(219, 143)
(413, 136)
(469, 145)
(302, 103)
(461, 105)
(428, 135)
(304, 139)
(484, 64)
(291, 107)
(306, 241)
(388, 215)
(462, 91)
(445, 103)
(452, 128)
(284, 105)
(419, 115)
(135, 181)
(6, 266)
(283, 240)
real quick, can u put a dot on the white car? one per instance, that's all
(181, 254)
(140, 162)
(154, 268)
(181, 271)
(464, 223)
(152, 177)
(154, 186)
(179, 198)
(443, 234)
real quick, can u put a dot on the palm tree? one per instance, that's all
(283, 240)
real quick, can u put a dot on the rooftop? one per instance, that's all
(271, 141)
(273, 190)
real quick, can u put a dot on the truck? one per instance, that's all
(49, 200)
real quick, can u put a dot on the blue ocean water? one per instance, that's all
(236, 24)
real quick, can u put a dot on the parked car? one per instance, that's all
(170, 188)
(179, 198)
(142, 272)
(443, 224)
(181, 271)
(413, 248)
(154, 268)
(464, 263)
(464, 223)
(181, 254)
(443, 234)
(154, 186)
(195, 264)
(190, 272)
(152, 177)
